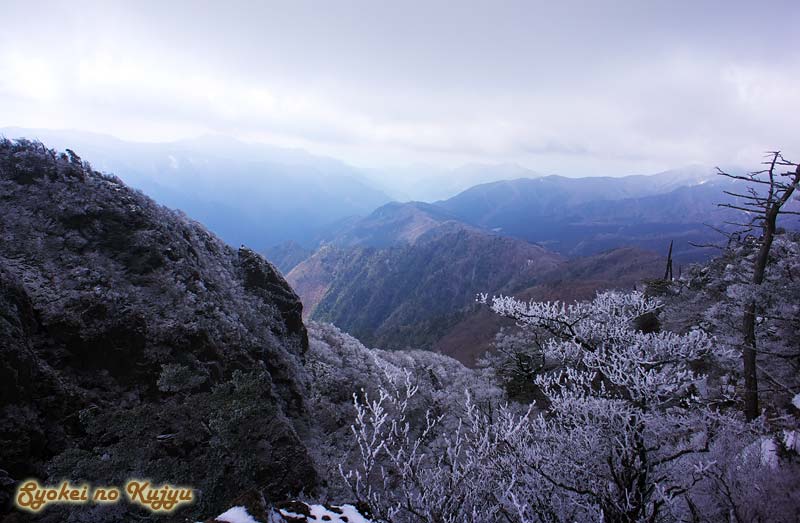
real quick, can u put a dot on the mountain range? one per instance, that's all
(583, 216)
(264, 196)
(408, 274)
(249, 194)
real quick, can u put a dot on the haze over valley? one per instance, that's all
(272, 195)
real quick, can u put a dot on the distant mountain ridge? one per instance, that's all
(584, 216)
(246, 193)
(408, 273)
(397, 224)
(549, 193)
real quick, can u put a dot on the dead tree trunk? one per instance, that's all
(668, 273)
(779, 189)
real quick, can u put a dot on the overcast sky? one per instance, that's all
(612, 88)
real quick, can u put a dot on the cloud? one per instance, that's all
(609, 88)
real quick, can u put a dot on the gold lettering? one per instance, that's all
(34, 497)
(162, 499)
(106, 495)
(26, 496)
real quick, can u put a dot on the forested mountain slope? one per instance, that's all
(409, 295)
(575, 279)
(407, 276)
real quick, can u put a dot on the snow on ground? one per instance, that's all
(791, 440)
(339, 514)
(236, 515)
(332, 514)
(769, 453)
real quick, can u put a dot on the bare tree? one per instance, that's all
(762, 208)
(668, 272)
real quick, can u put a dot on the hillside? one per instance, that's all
(407, 276)
(409, 294)
(352, 289)
(397, 224)
(134, 343)
(285, 256)
(576, 279)
(394, 225)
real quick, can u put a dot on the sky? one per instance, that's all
(575, 88)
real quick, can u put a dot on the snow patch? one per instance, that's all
(236, 515)
(348, 514)
(796, 401)
(352, 515)
(791, 439)
(769, 453)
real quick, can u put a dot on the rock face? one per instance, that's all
(134, 343)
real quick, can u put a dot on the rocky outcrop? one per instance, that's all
(134, 343)
(262, 279)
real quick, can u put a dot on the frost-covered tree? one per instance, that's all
(625, 429)
(753, 476)
(339, 366)
(621, 436)
(517, 357)
(423, 474)
(762, 205)
(717, 293)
